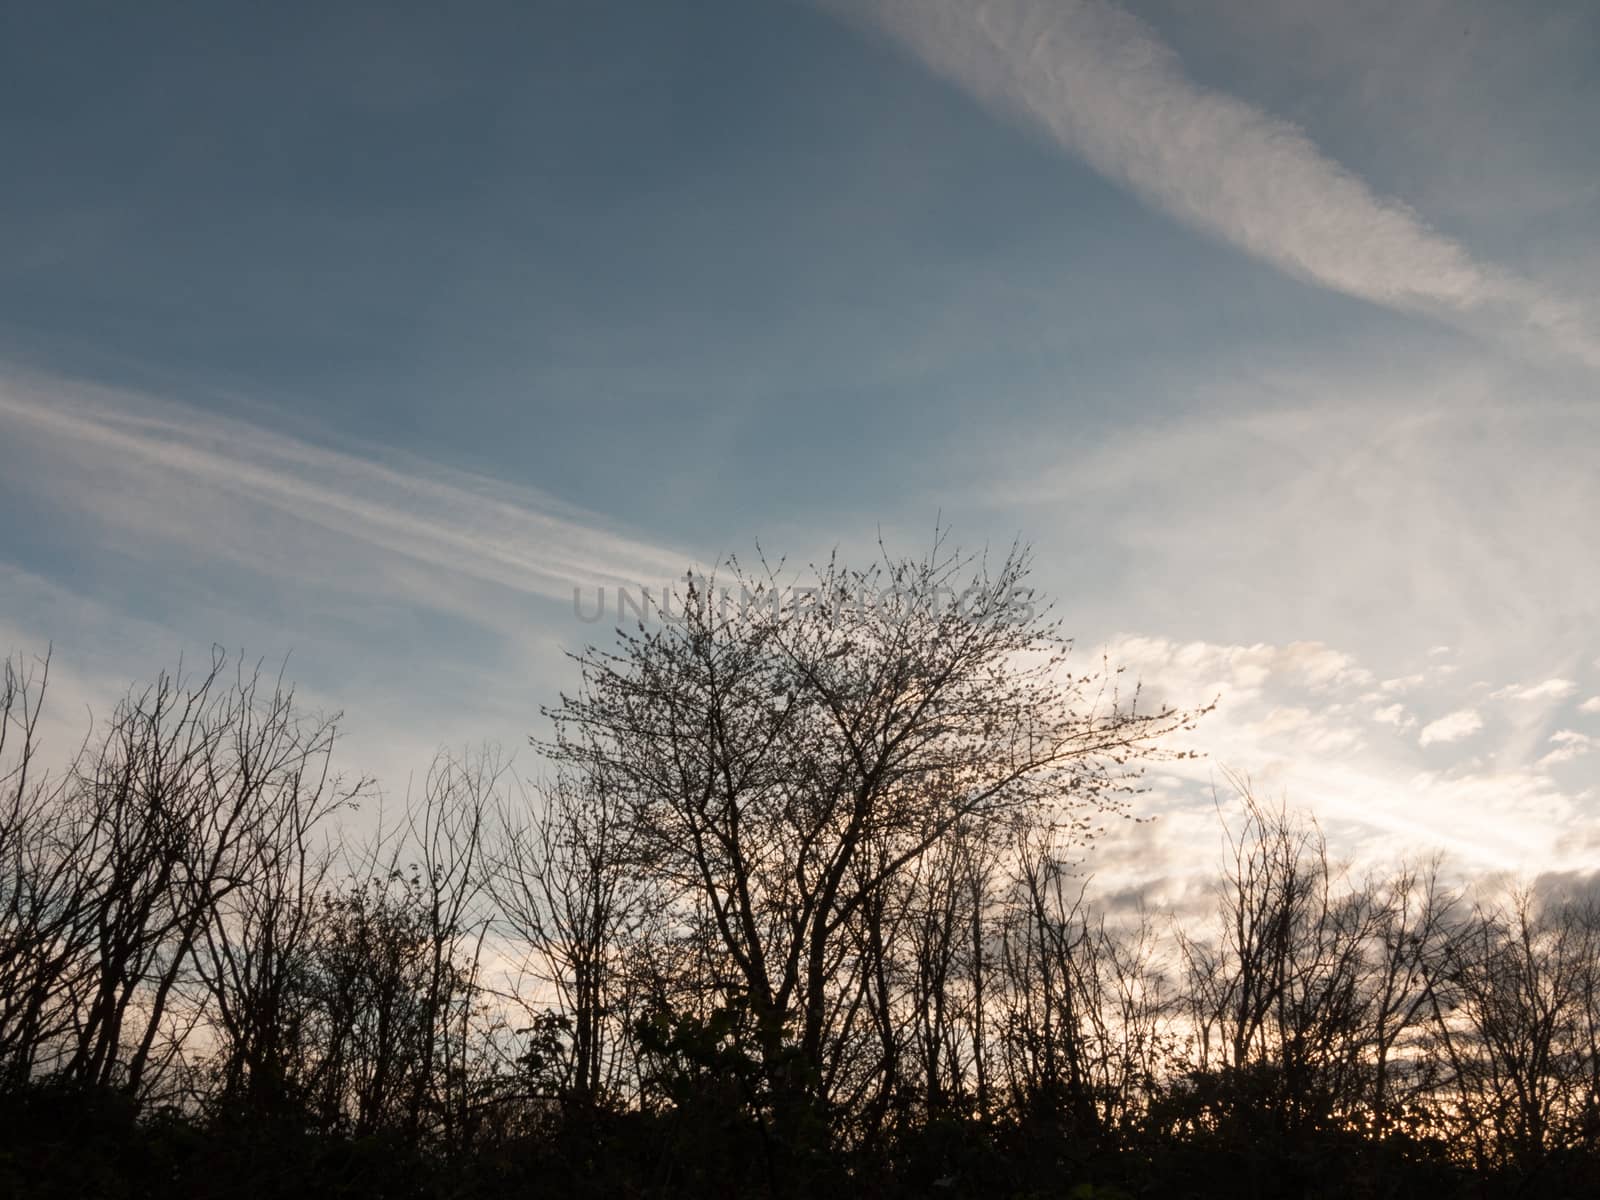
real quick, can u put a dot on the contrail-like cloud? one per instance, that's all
(1101, 83)
(161, 463)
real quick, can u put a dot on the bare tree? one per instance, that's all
(44, 889)
(568, 888)
(255, 956)
(1515, 1024)
(771, 753)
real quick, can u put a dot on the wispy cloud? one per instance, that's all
(386, 578)
(1380, 505)
(1102, 84)
(1452, 727)
(166, 470)
(1533, 693)
(1569, 744)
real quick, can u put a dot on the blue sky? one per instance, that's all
(364, 333)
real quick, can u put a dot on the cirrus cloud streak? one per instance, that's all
(1100, 83)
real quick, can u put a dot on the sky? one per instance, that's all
(361, 335)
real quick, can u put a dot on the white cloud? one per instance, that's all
(1495, 807)
(1569, 744)
(1202, 670)
(1351, 519)
(1462, 723)
(1103, 85)
(1590, 706)
(1396, 715)
(1550, 689)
